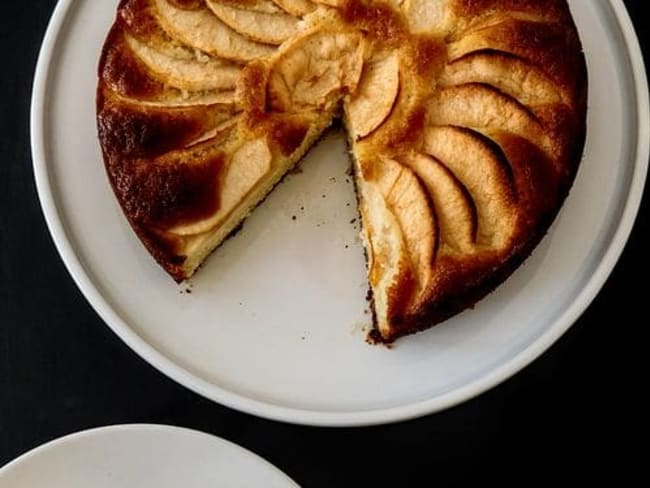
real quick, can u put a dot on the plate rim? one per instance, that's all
(140, 427)
(216, 393)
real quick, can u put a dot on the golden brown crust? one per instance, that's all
(466, 119)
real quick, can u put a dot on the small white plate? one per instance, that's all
(274, 323)
(141, 456)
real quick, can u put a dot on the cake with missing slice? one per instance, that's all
(465, 118)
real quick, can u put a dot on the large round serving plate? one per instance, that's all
(275, 321)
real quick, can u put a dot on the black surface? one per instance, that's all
(569, 415)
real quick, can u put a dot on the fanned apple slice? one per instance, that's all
(270, 28)
(399, 236)
(541, 44)
(316, 70)
(201, 29)
(388, 262)
(214, 133)
(157, 129)
(330, 3)
(180, 99)
(186, 100)
(454, 208)
(296, 7)
(264, 6)
(482, 107)
(145, 84)
(507, 73)
(140, 22)
(479, 165)
(247, 166)
(170, 189)
(485, 15)
(375, 97)
(425, 16)
(187, 74)
(407, 200)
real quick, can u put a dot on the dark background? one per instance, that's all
(575, 413)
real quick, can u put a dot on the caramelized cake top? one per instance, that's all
(466, 120)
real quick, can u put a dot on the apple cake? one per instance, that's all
(465, 121)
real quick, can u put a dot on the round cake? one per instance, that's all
(465, 121)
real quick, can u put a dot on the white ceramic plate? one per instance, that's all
(141, 456)
(274, 323)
